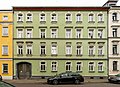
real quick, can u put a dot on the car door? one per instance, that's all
(63, 78)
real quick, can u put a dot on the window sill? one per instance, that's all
(91, 22)
(115, 20)
(4, 54)
(68, 54)
(43, 71)
(53, 22)
(5, 73)
(79, 55)
(19, 21)
(91, 71)
(100, 21)
(42, 54)
(53, 54)
(68, 22)
(4, 35)
(19, 54)
(42, 22)
(78, 21)
(79, 71)
(101, 55)
(54, 71)
(28, 21)
(100, 71)
(115, 54)
(28, 54)
(115, 70)
(92, 55)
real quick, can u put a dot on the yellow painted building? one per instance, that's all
(6, 36)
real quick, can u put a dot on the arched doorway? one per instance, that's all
(24, 70)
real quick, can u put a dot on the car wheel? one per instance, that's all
(55, 82)
(77, 81)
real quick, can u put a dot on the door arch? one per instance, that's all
(24, 70)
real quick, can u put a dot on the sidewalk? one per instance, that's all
(45, 81)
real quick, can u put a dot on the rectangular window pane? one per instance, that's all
(5, 68)
(5, 50)
(5, 31)
(42, 50)
(42, 66)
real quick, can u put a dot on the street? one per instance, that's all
(67, 85)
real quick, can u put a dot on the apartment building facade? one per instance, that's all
(6, 31)
(51, 40)
(114, 40)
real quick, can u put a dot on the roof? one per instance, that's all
(60, 8)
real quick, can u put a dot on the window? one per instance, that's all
(114, 32)
(5, 31)
(29, 50)
(91, 17)
(20, 33)
(42, 66)
(42, 17)
(20, 17)
(91, 66)
(79, 66)
(42, 33)
(78, 33)
(100, 50)
(54, 33)
(91, 50)
(29, 33)
(114, 49)
(29, 17)
(54, 49)
(4, 50)
(68, 66)
(5, 18)
(91, 33)
(68, 50)
(42, 50)
(20, 50)
(68, 17)
(5, 68)
(100, 17)
(54, 17)
(114, 16)
(115, 65)
(79, 50)
(78, 18)
(68, 33)
(54, 66)
(100, 66)
(100, 33)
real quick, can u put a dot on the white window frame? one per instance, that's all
(7, 71)
(92, 50)
(68, 34)
(114, 17)
(5, 31)
(91, 33)
(68, 18)
(78, 18)
(3, 50)
(54, 33)
(70, 66)
(43, 17)
(29, 48)
(21, 49)
(93, 65)
(79, 66)
(54, 66)
(68, 49)
(78, 34)
(54, 49)
(100, 17)
(43, 65)
(100, 50)
(42, 49)
(100, 33)
(42, 34)
(30, 17)
(91, 17)
(100, 67)
(20, 34)
(53, 16)
(79, 50)
(22, 17)
(30, 35)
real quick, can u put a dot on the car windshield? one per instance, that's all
(3, 84)
(118, 75)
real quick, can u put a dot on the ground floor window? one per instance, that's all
(100, 66)
(79, 66)
(68, 66)
(5, 68)
(115, 65)
(43, 66)
(91, 66)
(54, 66)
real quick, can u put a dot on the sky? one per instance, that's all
(7, 4)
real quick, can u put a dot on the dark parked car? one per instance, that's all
(67, 77)
(114, 79)
(5, 84)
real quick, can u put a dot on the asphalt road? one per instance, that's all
(105, 84)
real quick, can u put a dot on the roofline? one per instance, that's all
(60, 8)
(6, 10)
(108, 2)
